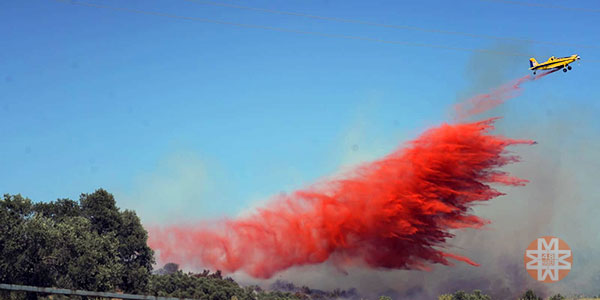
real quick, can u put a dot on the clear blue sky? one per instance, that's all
(193, 119)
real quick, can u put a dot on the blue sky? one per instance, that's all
(194, 119)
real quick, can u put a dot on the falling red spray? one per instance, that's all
(396, 212)
(485, 102)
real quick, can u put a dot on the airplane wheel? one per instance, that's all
(569, 67)
(533, 73)
(565, 70)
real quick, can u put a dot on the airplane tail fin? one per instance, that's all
(533, 62)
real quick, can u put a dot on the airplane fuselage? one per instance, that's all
(555, 63)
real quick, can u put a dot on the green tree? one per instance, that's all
(14, 264)
(558, 297)
(530, 295)
(58, 210)
(461, 295)
(47, 248)
(84, 259)
(209, 286)
(86, 245)
(101, 209)
(137, 258)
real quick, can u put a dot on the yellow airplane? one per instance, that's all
(553, 63)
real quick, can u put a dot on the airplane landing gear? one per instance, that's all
(533, 72)
(565, 70)
(569, 67)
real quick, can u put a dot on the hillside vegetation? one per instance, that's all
(91, 244)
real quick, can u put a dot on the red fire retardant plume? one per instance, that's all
(393, 213)
(484, 102)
